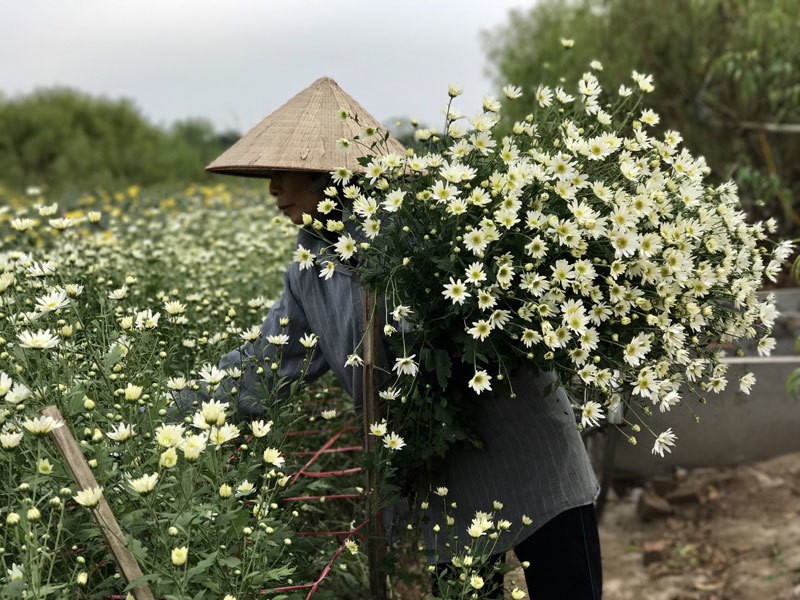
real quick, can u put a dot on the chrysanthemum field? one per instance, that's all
(108, 303)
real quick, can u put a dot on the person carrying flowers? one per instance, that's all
(518, 473)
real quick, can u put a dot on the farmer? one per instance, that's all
(533, 460)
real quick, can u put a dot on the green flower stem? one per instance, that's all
(55, 553)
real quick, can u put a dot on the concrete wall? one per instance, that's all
(734, 427)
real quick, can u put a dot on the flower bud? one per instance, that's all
(179, 555)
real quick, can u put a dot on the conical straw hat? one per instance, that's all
(301, 136)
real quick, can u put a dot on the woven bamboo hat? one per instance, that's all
(301, 136)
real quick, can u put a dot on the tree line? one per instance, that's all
(61, 138)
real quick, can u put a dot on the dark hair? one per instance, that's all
(319, 183)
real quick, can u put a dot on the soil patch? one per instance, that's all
(730, 533)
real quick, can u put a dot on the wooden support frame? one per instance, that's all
(102, 515)
(370, 409)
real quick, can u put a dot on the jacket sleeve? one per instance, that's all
(278, 343)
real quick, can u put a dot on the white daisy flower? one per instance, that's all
(481, 382)
(456, 291)
(406, 365)
(89, 497)
(512, 92)
(39, 340)
(591, 414)
(392, 441)
(664, 442)
(304, 257)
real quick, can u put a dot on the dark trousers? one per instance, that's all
(564, 557)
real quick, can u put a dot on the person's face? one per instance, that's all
(292, 194)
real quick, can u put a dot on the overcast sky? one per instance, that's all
(235, 61)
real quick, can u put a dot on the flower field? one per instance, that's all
(109, 303)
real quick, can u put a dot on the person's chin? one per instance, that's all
(289, 213)
(295, 217)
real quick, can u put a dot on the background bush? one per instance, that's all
(63, 139)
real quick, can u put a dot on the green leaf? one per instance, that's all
(112, 357)
(793, 384)
(442, 262)
(230, 562)
(201, 566)
(278, 573)
(51, 588)
(138, 549)
(444, 367)
(150, 577)
(73, 400)
(796, 269)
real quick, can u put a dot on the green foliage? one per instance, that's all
(60, 138)
(723, 74)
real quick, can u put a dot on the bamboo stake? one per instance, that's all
(83, 476)
(376, 537)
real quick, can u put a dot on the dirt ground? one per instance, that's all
(705, 534)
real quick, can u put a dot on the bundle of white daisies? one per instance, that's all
(583, 240)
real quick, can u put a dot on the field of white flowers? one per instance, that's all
(108, 303)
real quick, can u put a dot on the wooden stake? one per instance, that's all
(83, 476)
(376, 536)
